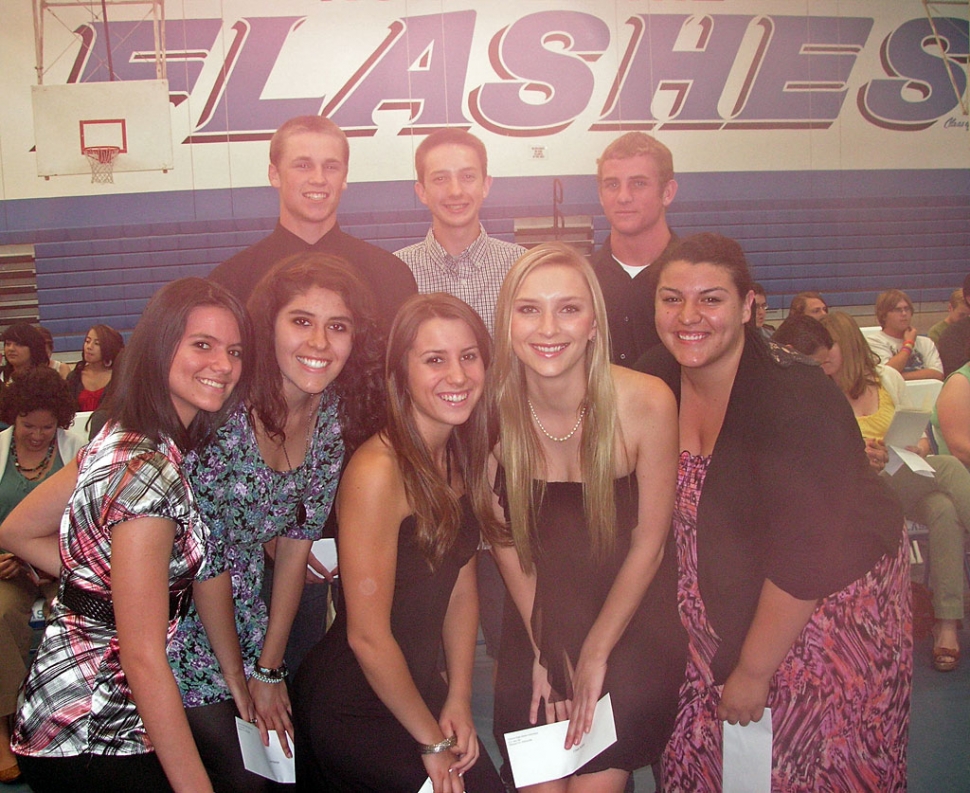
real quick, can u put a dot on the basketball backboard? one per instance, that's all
(133, 115)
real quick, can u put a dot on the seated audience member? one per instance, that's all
(958, 309)
(805, 334)
(898, 345)
(58, 366)
(942, 502)
(91, 376)
(951, 415)
(954, 343)
(761, 310)
(39, 407)
(810, 303)
(23, 349)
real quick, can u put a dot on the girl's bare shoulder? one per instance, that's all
(636, 392)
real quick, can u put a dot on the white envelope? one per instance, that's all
(898, 457)
(747, 756)
(267, 761)
(537, 753)
(326, 552)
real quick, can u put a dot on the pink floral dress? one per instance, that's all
(839, 700)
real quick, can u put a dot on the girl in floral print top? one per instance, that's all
(270, 474)
(101, 708)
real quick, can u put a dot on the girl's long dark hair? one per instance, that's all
(140, 400)
(435, 505)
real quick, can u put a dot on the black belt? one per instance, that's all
(102, 609)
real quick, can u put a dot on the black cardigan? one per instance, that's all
(789, 494)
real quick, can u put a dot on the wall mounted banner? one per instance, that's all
(729, 85)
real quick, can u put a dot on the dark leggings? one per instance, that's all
(214, 730)
(95, 773)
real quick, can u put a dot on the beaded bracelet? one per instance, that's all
(441, 746)
(266, 675)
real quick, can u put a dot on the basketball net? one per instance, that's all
(102, 159)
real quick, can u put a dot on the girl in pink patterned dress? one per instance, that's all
(793, 581)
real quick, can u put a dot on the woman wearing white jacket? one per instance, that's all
(40, 440)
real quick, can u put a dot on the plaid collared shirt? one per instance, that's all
(76, 699)
(475, 275)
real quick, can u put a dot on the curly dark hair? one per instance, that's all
(359, 386)
(40, 389)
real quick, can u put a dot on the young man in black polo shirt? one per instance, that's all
(308, 163)
(636, 185)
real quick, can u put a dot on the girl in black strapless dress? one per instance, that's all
(585, 476)
(371, 710)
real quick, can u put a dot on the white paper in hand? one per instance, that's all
(325, 551)
(267, 761)
(537, 753)
(907, 427)
(747, 756)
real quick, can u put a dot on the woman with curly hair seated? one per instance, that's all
(40, 408)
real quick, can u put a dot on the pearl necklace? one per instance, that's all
(550, 436)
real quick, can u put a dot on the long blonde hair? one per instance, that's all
(858, 370)
(521, 449)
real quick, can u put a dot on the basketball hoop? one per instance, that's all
(102, 159)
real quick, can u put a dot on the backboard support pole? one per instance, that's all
(41, 9)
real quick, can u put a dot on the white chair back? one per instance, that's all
(922, 394)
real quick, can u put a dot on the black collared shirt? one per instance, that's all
(629, 303)
(388, 277)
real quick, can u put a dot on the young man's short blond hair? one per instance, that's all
(635, 144)
(297, 124)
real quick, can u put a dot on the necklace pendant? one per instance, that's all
(300, 513)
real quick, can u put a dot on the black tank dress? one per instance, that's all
(346, 738)
(645, 669)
